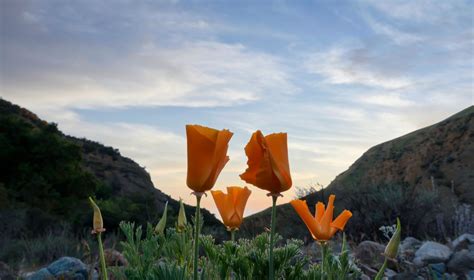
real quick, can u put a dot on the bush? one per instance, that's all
(373, 206)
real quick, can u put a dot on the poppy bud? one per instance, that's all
(97, 222)
(182, 222)
(391, 250)
(160, 227)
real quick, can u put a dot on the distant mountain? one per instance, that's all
(46, 177)
(426, 177)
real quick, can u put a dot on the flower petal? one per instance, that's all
(278, 149)
(303, 211)
(220, 157)
(319, 212)
(254, 152)
(240, 201)
(207, 155)
(201, 146)
(341, 220)
(325, 223)
(223, 205)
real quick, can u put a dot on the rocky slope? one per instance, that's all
(426, 177)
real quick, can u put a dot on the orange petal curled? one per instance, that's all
(326, 220)
(278, 149)
(303, 211)
(319, 212)
(341, 220)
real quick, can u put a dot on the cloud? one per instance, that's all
(397, 36)
(423, 11)
(193, 74)
(77, 63)
(353, 66)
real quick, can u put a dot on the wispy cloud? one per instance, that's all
(423, 11)
(358, 66)
(392, 33)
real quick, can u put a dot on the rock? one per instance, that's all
(68, 267)
(390, 273)
(463, 242)
(408, 248)
(461, 262)
(470, 275)
(370, 253)
(431, 252)
(114, 258)
(438, 269)
(367, 270)
(410, 243)
(364, 277)
(42, 274)
(64, 268)
(405, 276)
(6, 273)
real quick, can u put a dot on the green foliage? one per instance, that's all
(152, 256)
(44, 248)
(40, 169)
(169, 256)
(388, 202)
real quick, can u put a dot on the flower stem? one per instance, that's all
(382, 270)
(196, 237)
(272, 237)
(103, 267)
(324, 252)
(232, 235)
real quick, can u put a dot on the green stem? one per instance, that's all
(232, 235)
(103, 268)
(196, 237)
(382, 270)
(324, 252)
(272, 238)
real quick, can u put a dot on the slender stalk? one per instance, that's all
(196, 237)
(382, 270)
(324, 252)
(272, 238)
(103, 268)
(232, 235)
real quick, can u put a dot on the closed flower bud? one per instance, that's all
(182, 222)
(160, 227)
(97, 222)
(391, 250)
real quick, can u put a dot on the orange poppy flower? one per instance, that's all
(207, 155)
(268, 166)
(231, 205)
(321, 225)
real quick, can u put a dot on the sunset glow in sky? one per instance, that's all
(337, 76)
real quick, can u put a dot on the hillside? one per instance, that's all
(426, 177)
(46, 177)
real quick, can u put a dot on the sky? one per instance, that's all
(337, 76)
